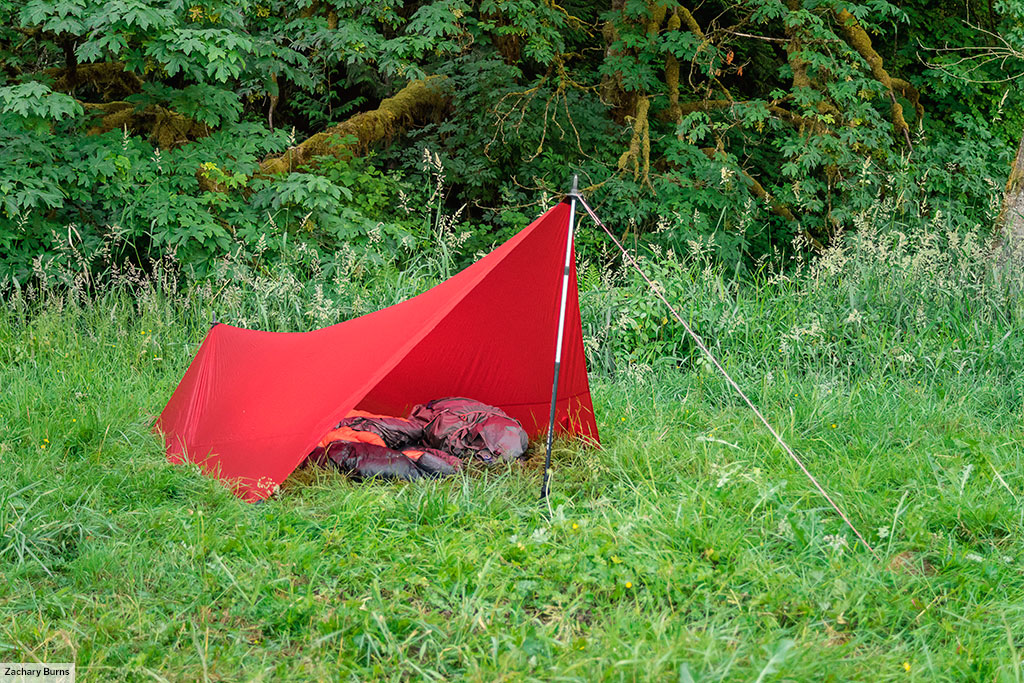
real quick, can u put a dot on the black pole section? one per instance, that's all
(573, 195)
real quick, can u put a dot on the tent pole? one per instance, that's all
(574, 193)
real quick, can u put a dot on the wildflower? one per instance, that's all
(623, 418)
(74, 420)
(46, 441)
(629, 584)
(833, 425)
(575, 526)
(836, 543)
(906, 666)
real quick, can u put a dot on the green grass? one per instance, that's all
(688, 547)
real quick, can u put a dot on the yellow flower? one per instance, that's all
(575, 526)
(833, 426)
(629, 584)
(906, 666)
(623, 419)
(74, 420)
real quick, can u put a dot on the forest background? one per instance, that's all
(131, 131)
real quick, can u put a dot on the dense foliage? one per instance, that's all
(753, 121)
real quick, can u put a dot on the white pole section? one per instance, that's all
(573, 194)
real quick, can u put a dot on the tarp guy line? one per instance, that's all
(711, 357)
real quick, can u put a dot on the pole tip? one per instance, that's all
(575, 190)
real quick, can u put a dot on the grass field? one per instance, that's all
(688, 548)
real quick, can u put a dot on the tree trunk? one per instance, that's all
(612, 93)
(1010, 224)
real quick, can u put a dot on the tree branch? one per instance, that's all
(417, 102)
(860, 41)
(107, 78)
(166, 128)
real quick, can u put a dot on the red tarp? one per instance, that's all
(254, 404)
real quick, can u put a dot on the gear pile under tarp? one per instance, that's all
(470, 429)
(432, 442)
(254, 404)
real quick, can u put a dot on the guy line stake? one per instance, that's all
(707, 352)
